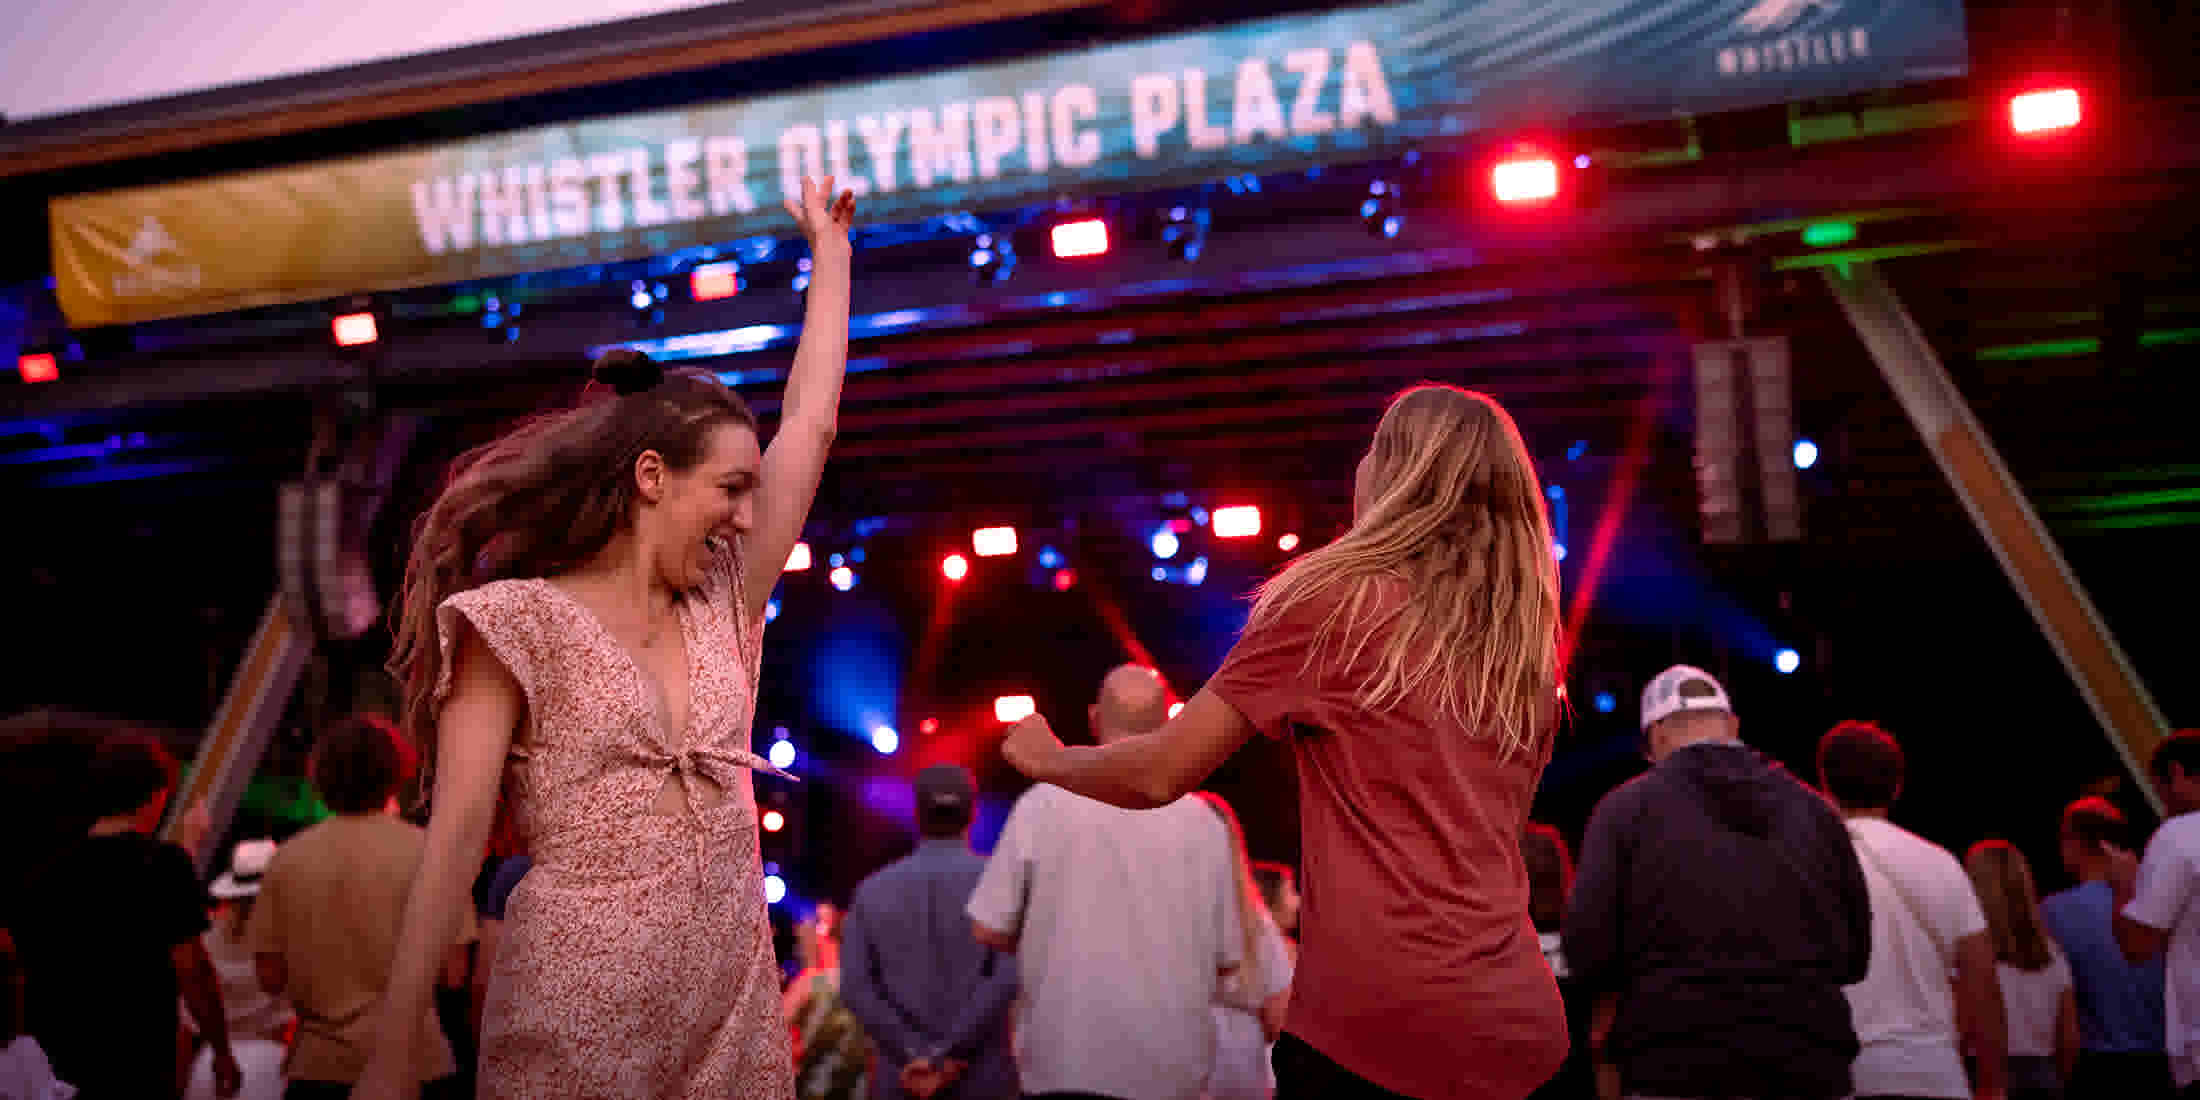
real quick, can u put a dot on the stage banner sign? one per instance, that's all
(1253, 97)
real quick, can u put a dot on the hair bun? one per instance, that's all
(627, 371)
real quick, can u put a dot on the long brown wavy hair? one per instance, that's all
(2004, 883)
(544, 497)
(1457, 514)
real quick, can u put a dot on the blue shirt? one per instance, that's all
(920, 982)
(2119, 1005)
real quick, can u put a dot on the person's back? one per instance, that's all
(97, 936)
(909, 962)
(1904, 1009)
(329, 908)
(1123, 921)
(1742, 920)
(1720, 899)
(2119, 1002)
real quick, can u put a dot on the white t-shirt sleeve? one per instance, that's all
(2166, 880)
(1275, 959)
(2059, 974)
(1229, 925)
(998, 901)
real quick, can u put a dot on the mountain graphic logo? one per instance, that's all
(151, 239)
(1775, 16)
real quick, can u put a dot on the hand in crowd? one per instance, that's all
(1031, 747)
(823, 217)
(923, 1079)
(2123, 871)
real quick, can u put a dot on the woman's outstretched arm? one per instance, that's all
(473, 734)
(1137, 773)
(808, 412)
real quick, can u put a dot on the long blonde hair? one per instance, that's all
(2004, 883)
(1455, 511)
(1253, 915)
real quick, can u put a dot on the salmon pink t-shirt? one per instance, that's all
(1418, 968)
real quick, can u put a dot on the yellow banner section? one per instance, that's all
(210, 246)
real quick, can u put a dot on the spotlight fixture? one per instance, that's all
(992, 259)
(1383, 210)
(1184, 231)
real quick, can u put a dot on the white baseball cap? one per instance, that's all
(247, 865)
(1663, 697)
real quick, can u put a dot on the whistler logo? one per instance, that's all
(1791, 35)
(144, 276)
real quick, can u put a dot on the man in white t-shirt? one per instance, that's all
(1932, 969)
(2158, 903)
(1123, 923)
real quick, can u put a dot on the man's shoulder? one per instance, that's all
(1908, 851)
(1621, 804)
(2066, 902)
(2180, 833)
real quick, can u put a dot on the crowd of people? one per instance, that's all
(578, 645)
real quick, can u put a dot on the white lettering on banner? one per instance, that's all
(1074, 148)
(538, 202)
(606, 169)
(503, 206)
(1031, 131)
(1153, 111)
(1035, 130)
(881, 142)
(1256, 113)
(1837, 46)
(1307, 117)
(1201, 135)
(943, 151)
(681, 181)
(444, 208)
(836, 160)
(648, 211)
(726, 175)
(801, 153)
(999, 133)
(1158, 105)
(1365, 91)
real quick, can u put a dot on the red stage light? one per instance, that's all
(1175, 709)
(1242, 521)
(1014, 708)
(1525, 177)
(993, 542)
(1287, 543)
(2045, 111)
(798, 559)
(38, 368)
(1065, 579)
(710, 282)
(955, 567)
(354, 330)
(774, 821)
(928, 726)
(1084, 237)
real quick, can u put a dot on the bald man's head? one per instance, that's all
(1133, 700)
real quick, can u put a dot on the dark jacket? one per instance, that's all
(1722, 901)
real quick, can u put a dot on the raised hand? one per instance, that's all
(823, 217)
(1031, 747)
